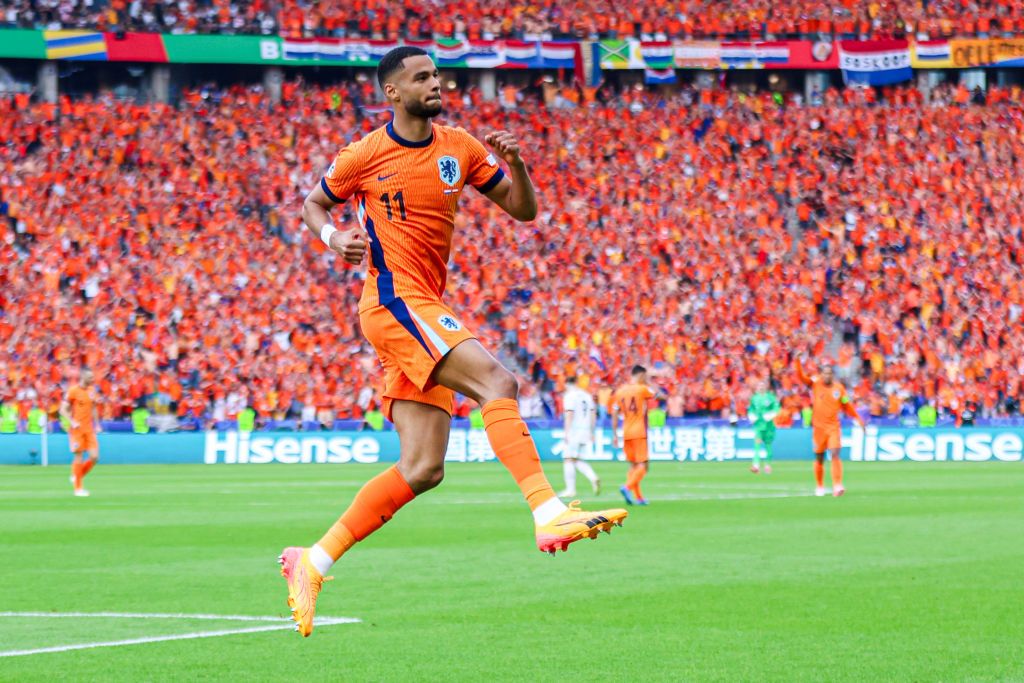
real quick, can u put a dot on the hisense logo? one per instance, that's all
(930, 446)
(233, 448)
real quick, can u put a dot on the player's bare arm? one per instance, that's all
(316, 213)
(65, 413)
(514, 194)
(615, 424)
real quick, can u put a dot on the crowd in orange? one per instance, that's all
(548, 19)
(709, 235)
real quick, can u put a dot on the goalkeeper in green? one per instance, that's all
(764, 406)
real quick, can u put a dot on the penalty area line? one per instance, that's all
(279, 626)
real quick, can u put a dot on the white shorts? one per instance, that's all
(577, 448)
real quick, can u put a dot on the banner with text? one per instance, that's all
(217, 49)
(685, 443)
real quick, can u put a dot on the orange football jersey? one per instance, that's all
(406, 194)
(828, 402)
(81, 403)
(632, 401)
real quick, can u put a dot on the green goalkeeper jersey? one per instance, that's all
(764, 406)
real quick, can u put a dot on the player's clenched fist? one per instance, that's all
(350, 244)
(506, 145)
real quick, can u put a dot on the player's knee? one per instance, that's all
(501, 384)
(425, 477)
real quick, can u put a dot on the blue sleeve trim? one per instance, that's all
(492, 183)
(330, 195)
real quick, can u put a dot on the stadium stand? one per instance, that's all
(712, 234)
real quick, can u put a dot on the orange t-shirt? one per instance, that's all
(632, 401)
(406, 194)
(81, 403)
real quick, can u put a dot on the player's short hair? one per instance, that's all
(392, 61)
(571, 379)
(637, 369)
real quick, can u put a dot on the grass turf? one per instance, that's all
(914, 575)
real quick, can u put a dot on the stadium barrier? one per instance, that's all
(679, 443)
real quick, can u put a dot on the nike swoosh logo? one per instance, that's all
(382, 178)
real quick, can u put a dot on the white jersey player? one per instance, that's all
(580, 423)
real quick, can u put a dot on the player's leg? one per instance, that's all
(94, 455)
(587, 471)
(423, 439)
(636, 453)
(641, 472)
(76, 469)
(820, 444)
(834, 446)
(755, 467)
(470, 370)
(628, 451)
(768, 439)
(569, 468)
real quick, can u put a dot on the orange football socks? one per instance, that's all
(636, 475)
(510, 438)
(376, 503)
(819, 473)
(837, 471)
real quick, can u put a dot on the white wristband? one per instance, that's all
(326, 232)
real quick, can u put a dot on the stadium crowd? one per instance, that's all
(550, 19)
(713, 235)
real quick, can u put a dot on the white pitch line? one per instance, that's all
(322, 621)
(139, 615)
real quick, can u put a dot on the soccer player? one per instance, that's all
(405, 180)
(79, 409)
(829, 397)
(764, 406)
(631, 400)
(580, 422)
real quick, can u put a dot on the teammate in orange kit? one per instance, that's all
(631, 400)
(79, 409)
(405, 180)
(829, 398)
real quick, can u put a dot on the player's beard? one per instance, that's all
(424, 110)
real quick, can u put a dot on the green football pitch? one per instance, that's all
(915, 574)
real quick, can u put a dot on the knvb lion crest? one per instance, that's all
(449, 169)
(449, 323)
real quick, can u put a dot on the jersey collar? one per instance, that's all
(408, 143)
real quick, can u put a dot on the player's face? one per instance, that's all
(418, 87)
(640, 378)
(86, 378)
(763, 386)
(827, 374)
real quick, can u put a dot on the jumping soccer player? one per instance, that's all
(580, 423)
(829, 397)
(764, 406)
(405, 180)
(79, 409)
(631, 400)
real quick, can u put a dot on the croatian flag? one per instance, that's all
(875, 62)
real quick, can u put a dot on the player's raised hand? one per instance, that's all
(350, 245)
(506, 145)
